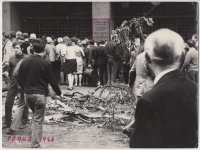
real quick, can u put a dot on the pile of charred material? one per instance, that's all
(111, 106)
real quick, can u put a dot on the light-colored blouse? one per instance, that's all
(70, 52)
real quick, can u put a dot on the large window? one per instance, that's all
(59, 27)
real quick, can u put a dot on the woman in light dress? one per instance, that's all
(79, 54)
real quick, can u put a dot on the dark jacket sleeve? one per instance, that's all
(94, 52)
(127, 56)
(97, 53)
(116, 46)
(146, 127)
(10, 67)
(119, 53)
(52, 80)
(20, 77)
(90, 56)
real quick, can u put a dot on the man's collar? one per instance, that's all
(39, 54)
(157, 78)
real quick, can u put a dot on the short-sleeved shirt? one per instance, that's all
(70, 52)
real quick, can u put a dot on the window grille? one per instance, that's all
(79, 27)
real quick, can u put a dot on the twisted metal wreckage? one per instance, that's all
(111, 106)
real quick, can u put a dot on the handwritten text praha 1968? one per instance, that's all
(28, 139)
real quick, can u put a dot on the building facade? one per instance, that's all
(76, 18)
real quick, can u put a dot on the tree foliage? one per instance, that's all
(130, 29)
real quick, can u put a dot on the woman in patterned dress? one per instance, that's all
(79, 54)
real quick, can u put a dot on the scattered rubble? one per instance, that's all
(110, 107)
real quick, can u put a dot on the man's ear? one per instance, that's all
(148, 58)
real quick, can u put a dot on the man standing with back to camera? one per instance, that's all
(35, 73)
(167, 115)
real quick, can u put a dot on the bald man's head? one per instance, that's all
(164, 47)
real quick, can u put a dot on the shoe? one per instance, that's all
(5, 126)
(35, 146)
(22, 126)
(75, 84)
(10, 132)
(99, 86)
(79, 85)
(69, 88)
(128, 133)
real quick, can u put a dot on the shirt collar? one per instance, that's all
(157, 78)
(39, 54)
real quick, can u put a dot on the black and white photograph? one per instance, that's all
(100, 74)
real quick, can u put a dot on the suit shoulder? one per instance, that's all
(149, 94)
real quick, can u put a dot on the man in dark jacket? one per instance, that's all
(92, 62)
(167, 115)
(110, 49)
(92, 53)
(35, 73)
(102, 63)
(123, 68)
(13, 88)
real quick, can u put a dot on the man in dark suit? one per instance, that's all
(167, 115)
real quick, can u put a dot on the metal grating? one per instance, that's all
(79, 27)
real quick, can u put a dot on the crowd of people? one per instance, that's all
(31, 65)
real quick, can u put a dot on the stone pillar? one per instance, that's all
(102, 10)
(15, 17)
(11, 17)
(6, 27)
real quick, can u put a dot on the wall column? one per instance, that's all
(102, 10)
(11, 18)
(6, 24)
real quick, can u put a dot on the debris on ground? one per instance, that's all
(111, 107)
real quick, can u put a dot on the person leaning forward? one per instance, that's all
(167, 115)
(35, 73)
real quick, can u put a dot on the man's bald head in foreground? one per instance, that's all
(164, 48)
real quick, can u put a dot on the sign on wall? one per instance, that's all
(101, 29)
